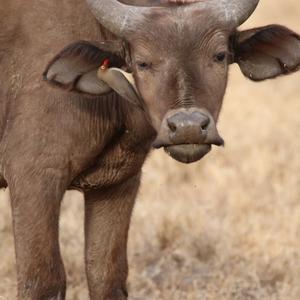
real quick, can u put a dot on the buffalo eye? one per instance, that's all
(220, 57)
(143, 66)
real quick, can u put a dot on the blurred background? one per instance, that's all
(225, 228)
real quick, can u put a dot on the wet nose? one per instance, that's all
(188, 128)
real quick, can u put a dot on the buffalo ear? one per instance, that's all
(267, 52)
(92, 69)
(75, 67)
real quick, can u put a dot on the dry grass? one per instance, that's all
(226, 228)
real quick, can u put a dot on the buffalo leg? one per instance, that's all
(35, 209)
(107, 219)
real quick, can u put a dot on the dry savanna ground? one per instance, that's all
(226, 228)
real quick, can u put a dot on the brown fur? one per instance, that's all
(51, 140)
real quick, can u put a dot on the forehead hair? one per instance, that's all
(178, 28)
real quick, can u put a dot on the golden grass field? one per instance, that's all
(226, 228)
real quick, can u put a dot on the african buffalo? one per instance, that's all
(150, 75)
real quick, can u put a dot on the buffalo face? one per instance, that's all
(180, 71)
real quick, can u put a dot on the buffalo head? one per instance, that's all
(173, 63)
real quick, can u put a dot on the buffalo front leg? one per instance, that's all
(107, 219)
(35, 200)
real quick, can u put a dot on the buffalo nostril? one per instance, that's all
(172, 126)
(201, 120)
(204, 127)
(204, 123)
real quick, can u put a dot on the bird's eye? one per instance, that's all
(143, 65)
(220, 57)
